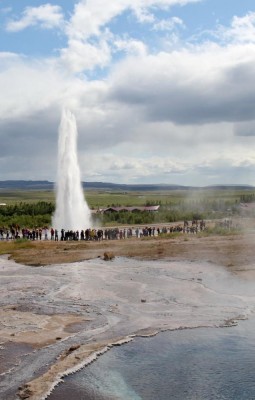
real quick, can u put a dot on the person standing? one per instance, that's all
(45, 233)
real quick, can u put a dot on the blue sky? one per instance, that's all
(199, 18)
(162, 90)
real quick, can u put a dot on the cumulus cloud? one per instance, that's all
(242, 29)
(46, 16)
(29, 86)
(91, 15)
(155, 115)
(204, 168)
(130, 46)
(134, 169)
(143, 15)
(84, 56)
(190, 86)
(89, 26)
(168, 24)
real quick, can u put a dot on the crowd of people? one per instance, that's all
(45, 233)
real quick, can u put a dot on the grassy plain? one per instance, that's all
(34, 208)
(11, 197)
(101, 198)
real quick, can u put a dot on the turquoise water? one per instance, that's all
(191, 364)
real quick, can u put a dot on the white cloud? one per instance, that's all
(190, 86)
(242, 30)
(46, 16)
(29, 86)
(168, 24)
(200, 167)
(127, 168)
(143, 15)
(182, 116)
(130, 46)
(91, 15)
(80, 56)
(90, 21)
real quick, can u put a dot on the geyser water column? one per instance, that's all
(72, 211)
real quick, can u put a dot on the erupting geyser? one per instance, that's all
(72, 211)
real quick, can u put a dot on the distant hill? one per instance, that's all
(227, 187)
(47, 185)
(132, 187)
(26, 185)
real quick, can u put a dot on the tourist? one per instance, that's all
(52, 234)
(56, 235)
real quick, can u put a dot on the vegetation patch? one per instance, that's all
(218, 230)
(15, 245)
(34, 209)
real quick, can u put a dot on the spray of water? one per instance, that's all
(72, 211)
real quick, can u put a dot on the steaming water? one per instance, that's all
(198, 364)
(72, 211)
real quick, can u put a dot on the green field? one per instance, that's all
(96, 198)
(171, 197)
(11, 197)
(35, 207)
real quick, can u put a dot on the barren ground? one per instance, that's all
(58, 311)
(233, 251)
